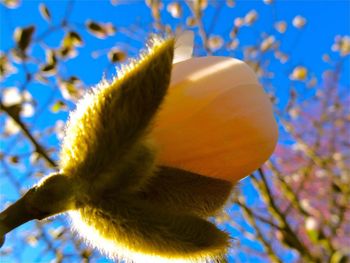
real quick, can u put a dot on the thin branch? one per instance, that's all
(287, 190)
(68, 12)
(38, 147)
(268, 248)
(258, 217)
(292, 240)
(201, 30)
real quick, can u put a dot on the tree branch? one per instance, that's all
(258, 217)
(268, 248)
(291, 239)
(38, 147)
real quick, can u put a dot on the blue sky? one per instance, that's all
(325, 20)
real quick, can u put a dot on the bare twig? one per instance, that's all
(38, 148)
(267, 245)
(291, 239)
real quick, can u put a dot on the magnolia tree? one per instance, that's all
(294, 208)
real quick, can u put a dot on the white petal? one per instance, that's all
(184, 46)
(27, 110)
(11, 127)
(11, 96)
